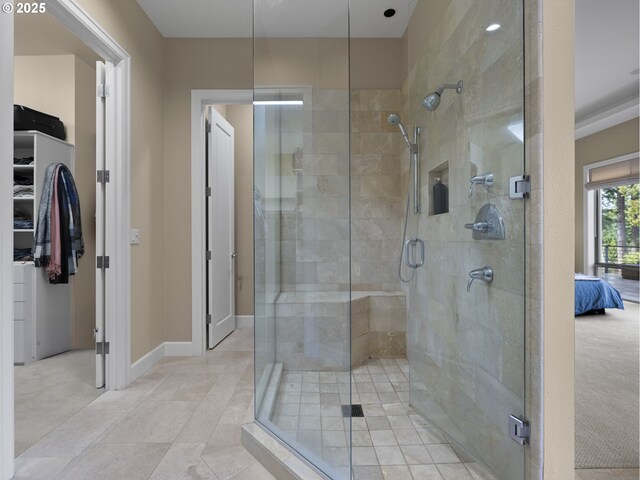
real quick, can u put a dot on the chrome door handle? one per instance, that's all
(410, 247)
(485, 274)
(234, 255)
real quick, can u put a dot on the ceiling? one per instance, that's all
(607, 51)
(279, 18)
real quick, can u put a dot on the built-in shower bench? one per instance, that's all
(312, 328)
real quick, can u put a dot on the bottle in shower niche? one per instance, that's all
(440, 198)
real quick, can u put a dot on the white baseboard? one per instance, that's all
(175, 349)
(146, 362)
(244, 321)
(178, 349)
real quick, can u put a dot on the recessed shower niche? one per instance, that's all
(439, 174)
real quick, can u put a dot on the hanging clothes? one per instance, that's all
(58, 242)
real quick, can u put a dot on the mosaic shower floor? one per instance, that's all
(391, 441)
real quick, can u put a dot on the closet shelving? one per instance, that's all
(42, 312)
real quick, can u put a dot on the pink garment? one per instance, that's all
(55, 263)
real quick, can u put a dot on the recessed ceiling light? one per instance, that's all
(493, 27)
(389, 12)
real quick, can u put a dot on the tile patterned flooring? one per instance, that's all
(180, 420)
(391, 442)
(49, 392)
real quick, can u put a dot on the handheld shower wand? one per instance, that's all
(394, 119)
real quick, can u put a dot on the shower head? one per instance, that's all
(432, 101)
(394, 119)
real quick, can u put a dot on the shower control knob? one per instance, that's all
(482, 227)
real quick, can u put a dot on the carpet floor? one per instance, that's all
(607, 389)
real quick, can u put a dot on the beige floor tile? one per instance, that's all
(425, 472)
(183, 462)
(364, 456)
(416, 455)
(407, 436)
(454, 471)
(442, 454)
(390, 455)
(122, 461)
(383, 438)
(73, 436)
(254, 472)
(202, 423)
(227, 462)
(49, 392)
(185, 386)
(39, 468)
(153, 422)
(225, 436)
(367, 473)
(395, 472)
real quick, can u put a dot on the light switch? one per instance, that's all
(134, 236)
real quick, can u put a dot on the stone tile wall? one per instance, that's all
(467, 349)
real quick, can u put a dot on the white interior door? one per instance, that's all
(220, 224)
(104, 76)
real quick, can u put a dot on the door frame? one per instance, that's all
(118, 276)
(199, 100)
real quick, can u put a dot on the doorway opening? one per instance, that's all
(222, 213)
(72, 323)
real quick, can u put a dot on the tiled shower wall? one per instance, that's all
(378, 152)
(476, 337)
(315, 227)
(340, 227)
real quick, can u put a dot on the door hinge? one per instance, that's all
(209, 255)
(209, 319)
(103, 91)
(102, 262)
(519, 430)
(519, 187)
(208, 127)
(209, 192)
(102, 348)
(103, 176)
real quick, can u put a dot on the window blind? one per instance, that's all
(614, 175)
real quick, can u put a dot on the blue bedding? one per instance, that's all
(593, 293)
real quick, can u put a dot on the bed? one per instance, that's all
(593, 295)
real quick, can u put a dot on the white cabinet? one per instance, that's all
(42, 311)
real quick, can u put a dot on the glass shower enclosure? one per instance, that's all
(361, 374)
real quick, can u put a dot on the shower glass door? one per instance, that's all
(466, 341)
(302, 244)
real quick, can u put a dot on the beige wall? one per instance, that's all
(610, 143)
(84, 286)
(558, 126)
(190, 64)
(126, 22)
(69, 93)
(46, 83)
(228, 64)
(241, 117)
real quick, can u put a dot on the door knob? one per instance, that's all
(234, 255)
